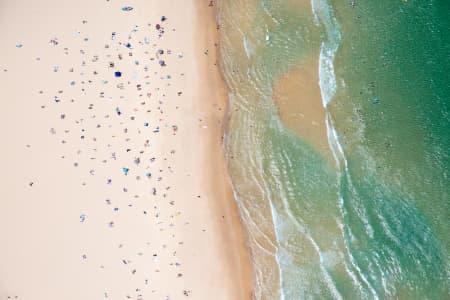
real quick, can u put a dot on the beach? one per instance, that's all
(224, 149)
(114, 182)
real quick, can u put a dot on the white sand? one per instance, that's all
(184, 242)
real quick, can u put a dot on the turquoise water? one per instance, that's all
(372, 221)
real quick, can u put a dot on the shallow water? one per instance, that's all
(345, 192)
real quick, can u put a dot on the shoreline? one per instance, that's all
(236, 238)
(84, 220)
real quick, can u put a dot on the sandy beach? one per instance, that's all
(114, 183)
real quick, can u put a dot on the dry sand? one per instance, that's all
(81, 216)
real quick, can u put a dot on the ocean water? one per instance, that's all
(366, 214)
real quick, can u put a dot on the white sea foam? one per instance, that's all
(301, 228)
(277, 257)
(327, 79)
(323, 17)
(247, 47)
(328, 87)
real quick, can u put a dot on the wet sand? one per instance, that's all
(114, 184)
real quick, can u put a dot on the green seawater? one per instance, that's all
(374, 221)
